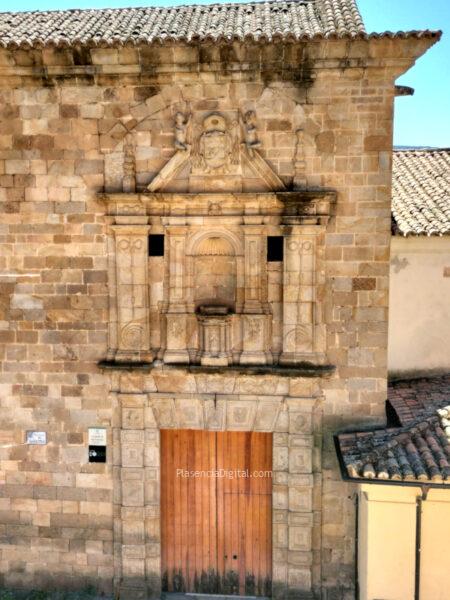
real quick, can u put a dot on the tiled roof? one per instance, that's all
(417, 451)
(259, 21)
(415, 398)
(421, 192)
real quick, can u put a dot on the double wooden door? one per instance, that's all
(216, 512)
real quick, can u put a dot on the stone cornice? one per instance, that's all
(292, 60)
(306, 369)
(310, 206)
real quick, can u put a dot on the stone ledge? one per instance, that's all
(304, 369)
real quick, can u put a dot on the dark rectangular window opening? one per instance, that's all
(156, 245)
(275, 248)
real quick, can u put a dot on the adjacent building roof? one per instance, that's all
(259, 21)
(417, 450)
(421, 192)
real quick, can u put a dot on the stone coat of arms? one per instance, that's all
(215, 149)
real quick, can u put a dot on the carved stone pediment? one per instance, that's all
(217, 156)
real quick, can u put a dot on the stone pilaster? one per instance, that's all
(302, 334)
(175, 309)
(133, 332)
(280, 512)
(139, 539)
(300, 503)
(255, 322)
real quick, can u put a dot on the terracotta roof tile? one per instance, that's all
(416, 398)
(259, 21)
(421, 192)
(418, 450)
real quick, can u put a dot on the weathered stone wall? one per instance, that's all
(64, 116)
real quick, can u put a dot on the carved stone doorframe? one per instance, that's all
(295, 424)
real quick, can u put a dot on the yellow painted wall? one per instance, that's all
(435, 555)
(387, 543)
(419, 305)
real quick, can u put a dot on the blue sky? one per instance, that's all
(421, 120)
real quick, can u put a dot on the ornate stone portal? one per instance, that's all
(216, 301)
(216, 237)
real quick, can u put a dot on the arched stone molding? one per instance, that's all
(235, 240)
(196, 238)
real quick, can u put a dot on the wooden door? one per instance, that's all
(216, 511)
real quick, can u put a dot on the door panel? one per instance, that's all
(216, 528)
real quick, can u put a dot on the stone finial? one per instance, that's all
(129, 165)
(299, 161)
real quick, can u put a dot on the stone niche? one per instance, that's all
(212, 297)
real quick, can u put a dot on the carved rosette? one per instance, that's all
(133, 339)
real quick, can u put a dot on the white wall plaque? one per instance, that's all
(38, 438)
(97, 436)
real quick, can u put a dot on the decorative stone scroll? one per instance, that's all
(133, 339)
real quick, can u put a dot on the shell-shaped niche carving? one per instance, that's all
(215, 246)
(215, 273)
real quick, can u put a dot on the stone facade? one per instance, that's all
(216, 147)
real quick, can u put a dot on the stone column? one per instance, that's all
(175, 310)
(299, 294)
(133, 332)
(255, 321)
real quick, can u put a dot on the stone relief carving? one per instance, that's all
(182, 123)
(129, 244)
(131, 335)
(253, 328)
(250, 131)
(216, 148)
(213, 145)
(129, 165)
